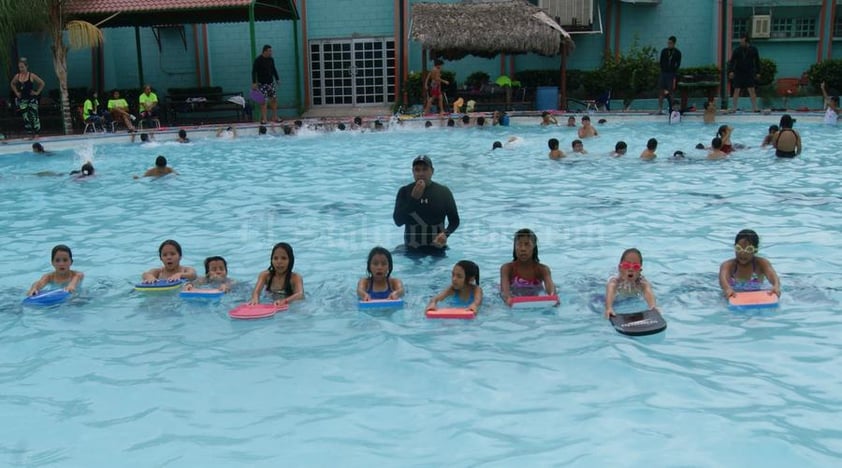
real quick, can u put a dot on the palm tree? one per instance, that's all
(46, 15)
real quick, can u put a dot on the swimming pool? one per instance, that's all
(148, 380)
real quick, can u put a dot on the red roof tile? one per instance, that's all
(161, 12)
(113, 6)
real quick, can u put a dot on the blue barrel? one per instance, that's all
(546, 98)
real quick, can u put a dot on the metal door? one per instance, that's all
(352, 72)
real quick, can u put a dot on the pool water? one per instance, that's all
(117, 377)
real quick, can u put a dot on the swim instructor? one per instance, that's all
(421, 207)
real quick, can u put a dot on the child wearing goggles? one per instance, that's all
(746, 271)
(629, 282)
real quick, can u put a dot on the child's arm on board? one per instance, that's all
(549, 285)
(255, 293)
(477, 299)
(724, 273)
(771, 275)
(77, 278)
(397, 288)
(150, 276)
(505, 282)
(362, 285)
(188, 273)
(36, 286)
(432, 305)
(610, 291)
(648, 294)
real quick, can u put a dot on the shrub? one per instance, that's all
(768, 70)
(829, 71)
(477, 79)
(627, 75)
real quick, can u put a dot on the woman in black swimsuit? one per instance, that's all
(787, 142)
(23, 85)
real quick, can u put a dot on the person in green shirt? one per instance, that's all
(148, 104)
(119, 109)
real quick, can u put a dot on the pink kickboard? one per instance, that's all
(451, 313)
(747, 299)
(533, 302)
(256, 311)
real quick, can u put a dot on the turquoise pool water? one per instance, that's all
(118, 377)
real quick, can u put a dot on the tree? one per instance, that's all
(46, 15)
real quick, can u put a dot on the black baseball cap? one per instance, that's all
(422, 159)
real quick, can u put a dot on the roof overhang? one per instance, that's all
(121, 13)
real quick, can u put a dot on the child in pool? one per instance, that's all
(746, 271)
(769, 139)
(379, 284)
(170, 254)
(279, 280)
(716, 152)
(629, 282)
(649, 153)
(724, 134)
(464, 288)
(62, 260)
(555, 153)
(525, 275)
(578, 147)
(216, 276)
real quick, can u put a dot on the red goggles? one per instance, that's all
(630, 266)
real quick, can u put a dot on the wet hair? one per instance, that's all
(716, 143)
(471, 270)
(553, 143)
(378, 124)
(678, 154)
(528, 234)
(341, 126)
(707, 104)
(172, 243)
(358, 120)
(700, 146)
(602, 121)
(428, 124)
(545, 114)
(632, 250)
(288, 275)
(298, 124)
(721, 131)
(450, 122)
(87, 169)
(480, 121)
(749, 235)
(287, 130)
(214, 259)
(160, 161)
(576, 142)
(773, 128)
(182, 133)
(585, 117)
(621, 145)
(571, 117)
(787, 121)
(466, 119)
(261, 130)
(438, 62)
(38, 147)
(379, 251)
(145, 138)
(652, 144)
(496, 145)
(61, 248)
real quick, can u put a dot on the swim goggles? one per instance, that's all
(751, 250)
(630, 266)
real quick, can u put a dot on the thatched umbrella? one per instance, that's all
(487, 28)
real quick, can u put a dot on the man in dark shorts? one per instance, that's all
(421, 208)
(743, 71)
(670, 63)
(263, 77)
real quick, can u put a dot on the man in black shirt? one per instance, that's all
(421, 208)
(743, 71)
(263, 77)
(670, 63)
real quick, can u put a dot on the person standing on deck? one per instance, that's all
(263, 78)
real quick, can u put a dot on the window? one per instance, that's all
(740, 27)
(572, 14)
(837, 27)
(805, 27)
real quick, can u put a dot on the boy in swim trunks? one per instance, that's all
(746, 271)
(432, 86)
